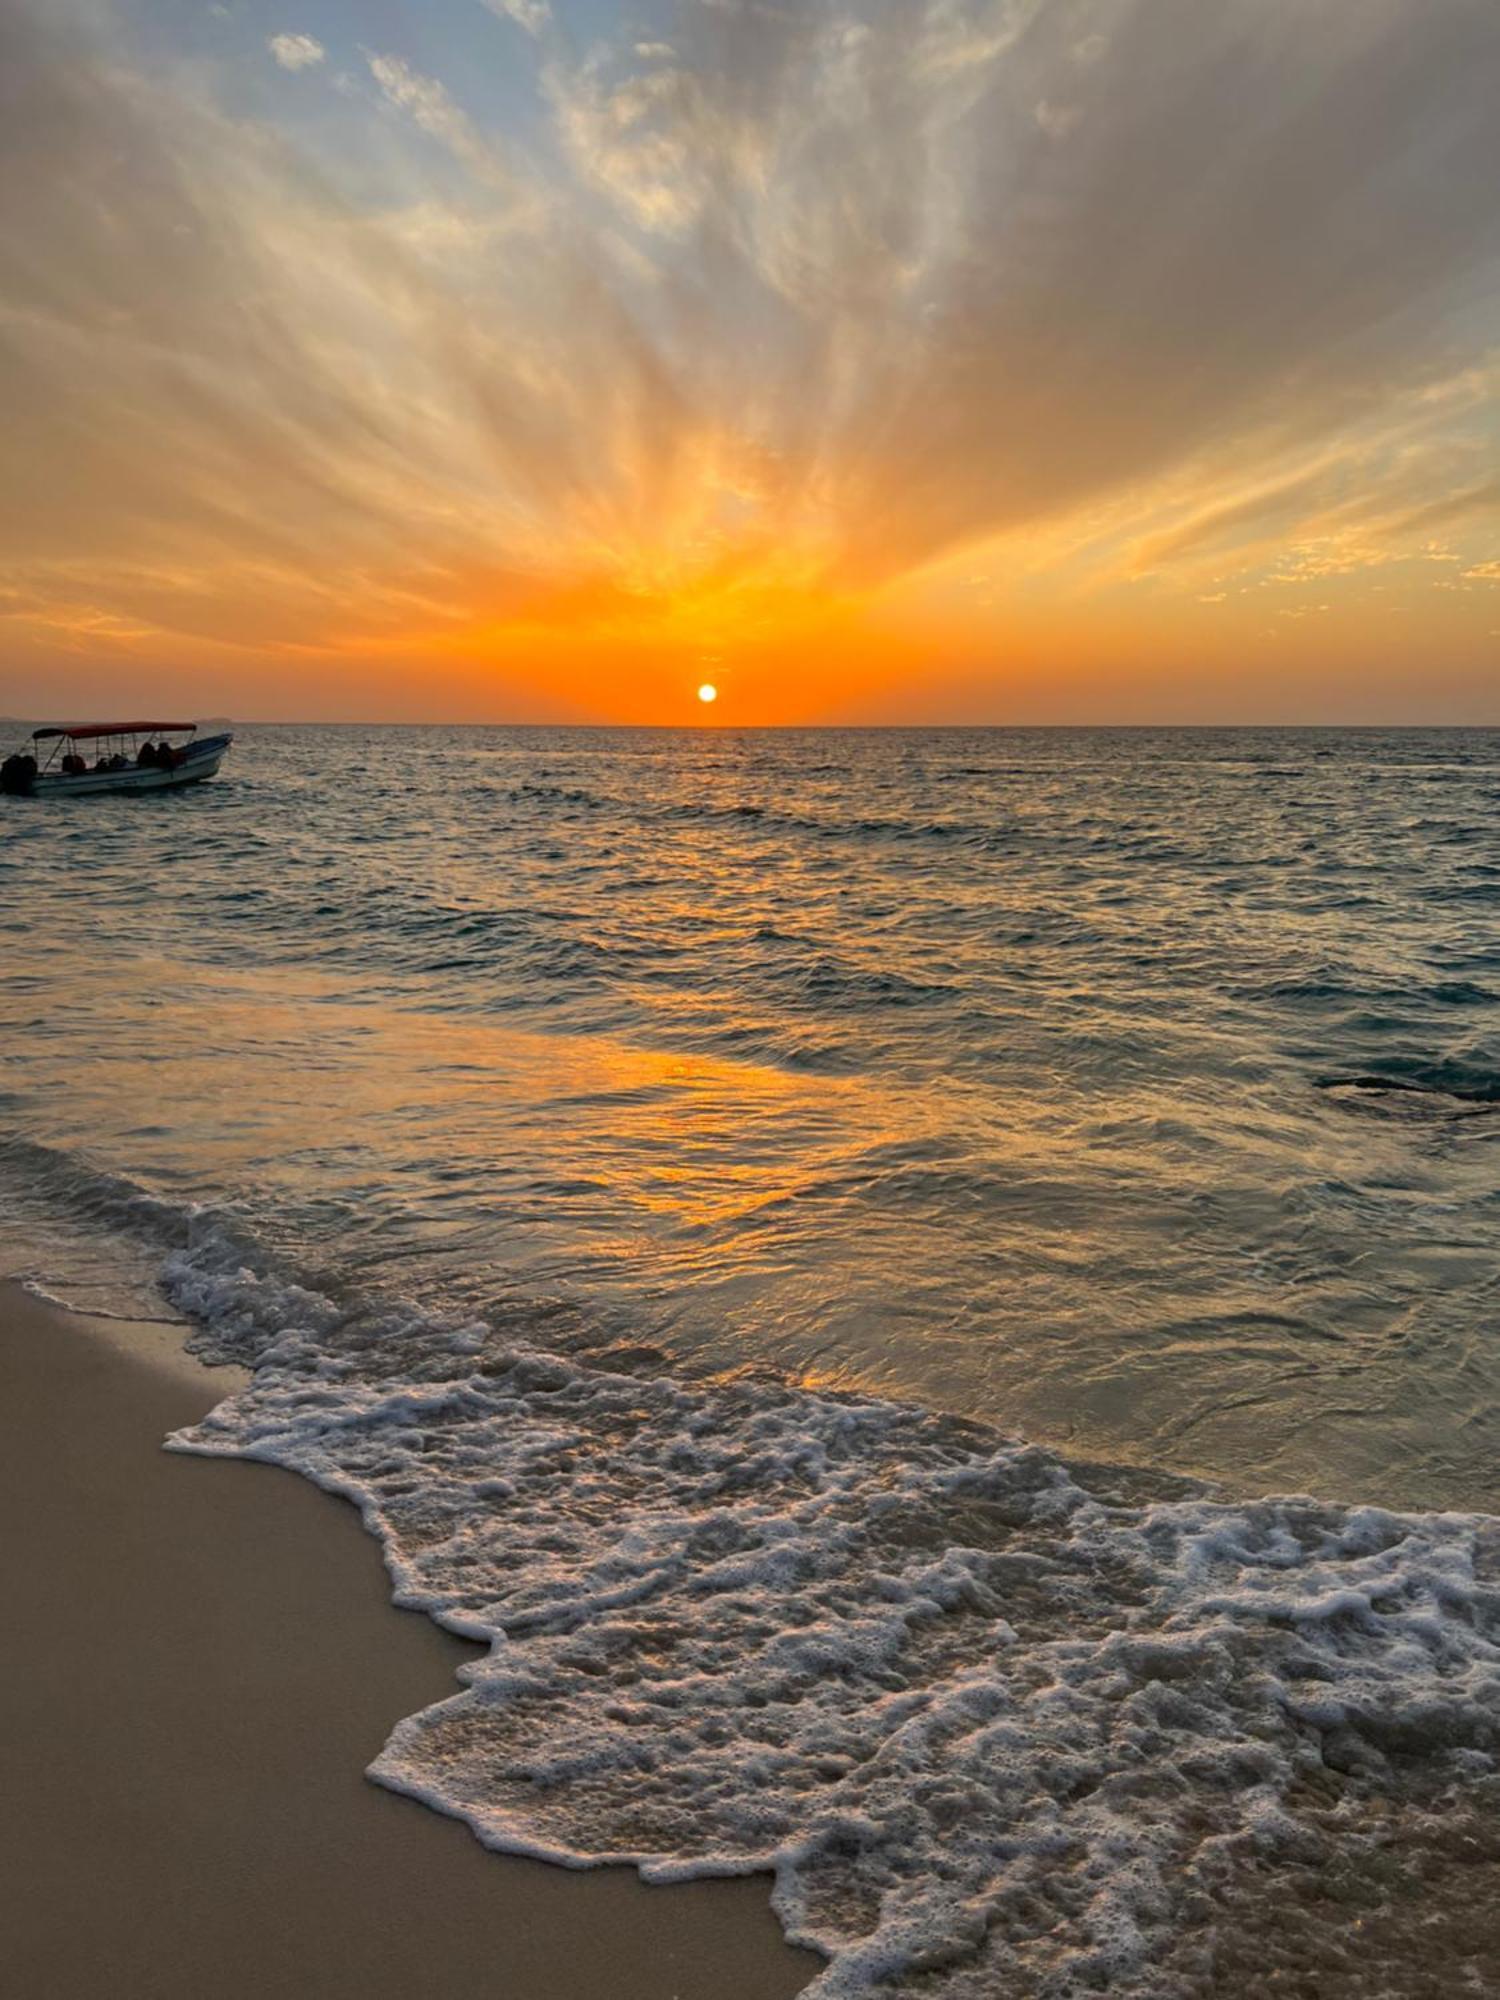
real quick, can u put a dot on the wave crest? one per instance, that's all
(990, 1718)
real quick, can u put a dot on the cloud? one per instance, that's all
(1257, 220)
(436, 113)
(1264, 512)
(1057, 120)
(1469, 503)
(296, 51)
(532, 15)
(647, 141)
(789, 302)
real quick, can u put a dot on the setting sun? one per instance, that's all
(712, 1194)
(916, 453)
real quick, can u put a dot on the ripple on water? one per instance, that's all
(1198, 1024)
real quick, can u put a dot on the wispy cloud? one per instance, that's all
(434, 110)
(769, 301)
(296, 51)
(532, 15)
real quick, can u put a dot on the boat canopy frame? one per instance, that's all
(83, 731)
(60, 734)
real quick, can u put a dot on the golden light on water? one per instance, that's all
(708, 692)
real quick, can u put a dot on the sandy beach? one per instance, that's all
(199, 1658)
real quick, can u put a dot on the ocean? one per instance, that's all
(936, 1294)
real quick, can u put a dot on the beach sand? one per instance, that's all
(199, 1658)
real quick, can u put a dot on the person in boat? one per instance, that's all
(166, 756)
(148, 759)
(73, 765)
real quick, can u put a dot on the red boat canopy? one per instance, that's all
(78, 731)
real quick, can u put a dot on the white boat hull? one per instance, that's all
(199, 761)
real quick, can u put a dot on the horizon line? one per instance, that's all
(721, 728)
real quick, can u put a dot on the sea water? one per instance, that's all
(836, 1252)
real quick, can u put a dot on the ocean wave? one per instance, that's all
(992, 1720)
(1437, 1085)
(821, 981)
(51, 1180)
(978, 1066)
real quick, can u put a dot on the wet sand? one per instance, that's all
(197, 1660)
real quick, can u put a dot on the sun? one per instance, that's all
(708, 692)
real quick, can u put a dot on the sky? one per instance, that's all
(887, 361)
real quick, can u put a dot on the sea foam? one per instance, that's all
(996, 1723)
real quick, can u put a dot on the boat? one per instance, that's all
(119, 757)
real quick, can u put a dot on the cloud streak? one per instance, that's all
(532, 15)
(766, 306)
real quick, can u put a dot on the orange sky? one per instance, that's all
(976, 360)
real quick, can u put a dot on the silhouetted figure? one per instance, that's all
(148, 758)
(17, 774)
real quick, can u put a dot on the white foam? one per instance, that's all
(989, 1720)
(47, 1297)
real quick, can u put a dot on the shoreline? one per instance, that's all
(200, 1659)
